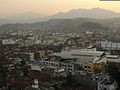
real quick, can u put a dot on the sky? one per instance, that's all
(49, 7)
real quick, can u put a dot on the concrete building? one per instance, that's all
(94, 67)
(36, 67)
(89, 68)
(109, 45)
(109, 58)
(52, 63)
(82, 55)
(67, 65)
(42, 53)
(29, 56)
(8, 41)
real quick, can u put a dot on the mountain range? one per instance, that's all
(76, 24)
(73, 20)
(96, 13)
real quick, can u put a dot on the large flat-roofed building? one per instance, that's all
(84, 55)
(109, 45)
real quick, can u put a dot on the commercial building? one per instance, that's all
(67, 65)
(82, 55)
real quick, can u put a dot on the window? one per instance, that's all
(85, 66)
(89, 67)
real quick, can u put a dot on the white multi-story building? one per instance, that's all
(67, 66)
(109, 45)
(52, 63)
(8, 41)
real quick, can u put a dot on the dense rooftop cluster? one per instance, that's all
(58, 61)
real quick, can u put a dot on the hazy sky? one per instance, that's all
(48, 7)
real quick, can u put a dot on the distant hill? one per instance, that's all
(78, 24)
(96, 13)
(22, 18)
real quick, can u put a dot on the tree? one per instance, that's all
(114, 71)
